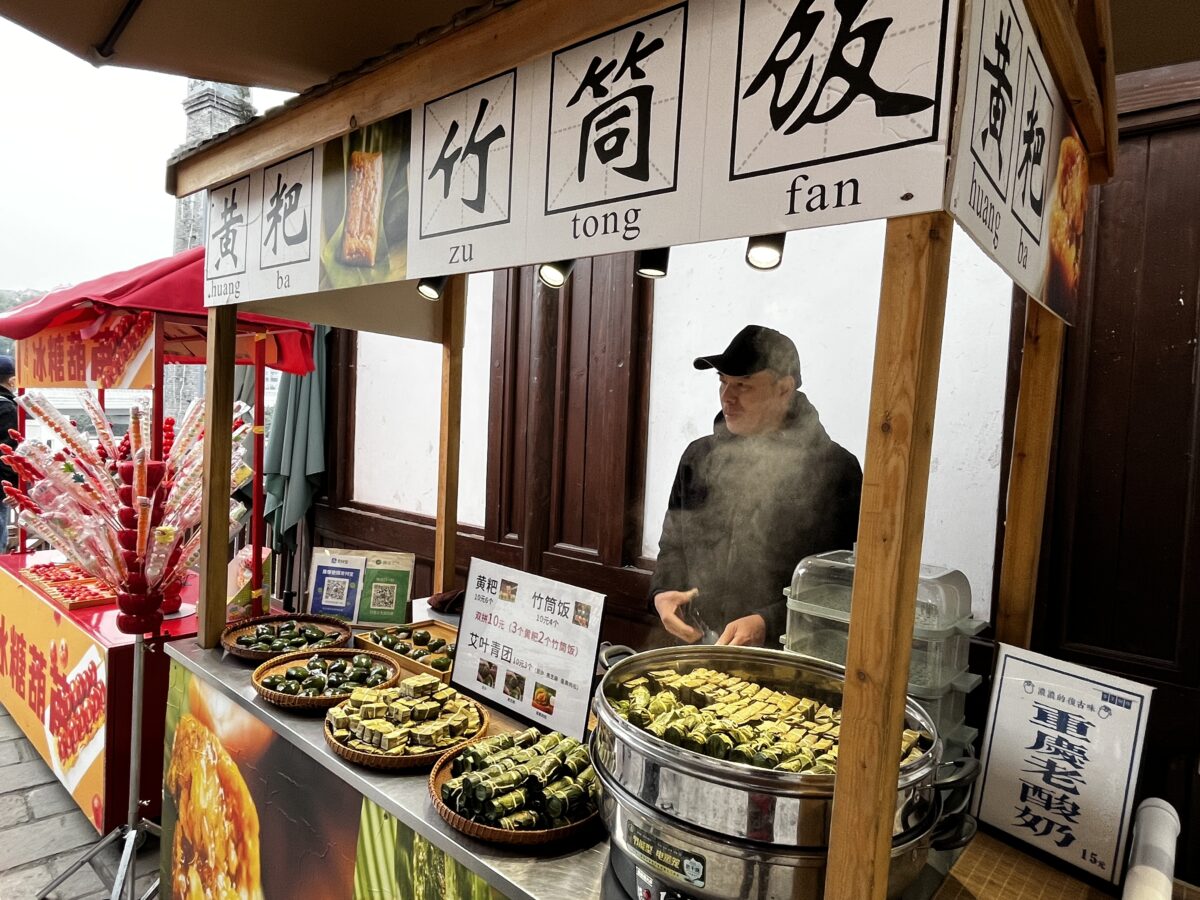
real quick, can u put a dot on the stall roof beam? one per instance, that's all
(508, 38)
(1062, 37)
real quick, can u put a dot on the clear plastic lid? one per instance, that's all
(827, 580)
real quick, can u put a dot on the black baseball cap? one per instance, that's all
(752, 350)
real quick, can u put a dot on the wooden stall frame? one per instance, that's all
(1029, 472)
(903, 393)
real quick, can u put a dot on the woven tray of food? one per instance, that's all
(426, 647)
(266, 637)
(408, 726)
(525, 788)
(322, 678)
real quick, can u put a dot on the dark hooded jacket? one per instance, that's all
(745, 510)
(8, 421)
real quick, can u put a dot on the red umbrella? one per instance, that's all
(174, 288)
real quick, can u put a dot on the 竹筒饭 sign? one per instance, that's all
(1061, 752)
(1019, 180)
(528, 645)
(704, 120)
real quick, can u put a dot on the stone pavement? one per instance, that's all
(42, 830)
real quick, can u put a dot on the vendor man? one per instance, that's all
(767, 488)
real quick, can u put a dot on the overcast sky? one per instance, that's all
(83, 158)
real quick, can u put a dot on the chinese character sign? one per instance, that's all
(1061, 755)
(469, 183)
(528, 645)
(827, 80)
(287, 205)
(615, 105)
(117, 354)
(1019, 176)
(467, 158)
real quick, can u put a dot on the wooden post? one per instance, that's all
(908, 346)
(1029, 471)
(454, 309)
(218, 457)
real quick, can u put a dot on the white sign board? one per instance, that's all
(821, 115)
(468, 181)
(261, 232)
(618, 138)
(1020, 176)
(528, 645)
(1061, 753)
(705, 120)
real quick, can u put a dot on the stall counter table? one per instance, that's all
(81, 660)
(354, 831)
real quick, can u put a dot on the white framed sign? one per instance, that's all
(1061, 753)
(618, 138)
(261, 232)
(468, 183)
(820, 116)
(1019, 179)
(528, 645)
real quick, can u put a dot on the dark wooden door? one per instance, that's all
(1121, 568)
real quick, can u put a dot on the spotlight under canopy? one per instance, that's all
(555, 274)
(765, 251)
(431, 288)
(653, 263)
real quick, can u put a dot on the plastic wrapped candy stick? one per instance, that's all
(187, 432)
(40, 527)
(100, 421)
(144, 510)
(139, 473)
(137, 434)
(36, 404)
(165, 538)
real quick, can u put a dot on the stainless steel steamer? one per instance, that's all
(733, 799)
(716, 829)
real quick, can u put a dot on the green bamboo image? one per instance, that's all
(375, 876)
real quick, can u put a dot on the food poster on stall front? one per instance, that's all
(54, 684)
(116, 351)
(247, 814)
(528, 645)
(1019, 177)
(364, 205)
(1061, 753)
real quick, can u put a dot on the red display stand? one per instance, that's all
(65, 677)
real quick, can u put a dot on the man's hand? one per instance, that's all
(668, 604)
(747, 631)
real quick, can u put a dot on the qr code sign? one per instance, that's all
(336, 591)
(383, 596)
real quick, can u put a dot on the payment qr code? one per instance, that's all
(383, 596)
(336, 591)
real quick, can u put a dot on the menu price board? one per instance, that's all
(1061, 755)
(528, 645)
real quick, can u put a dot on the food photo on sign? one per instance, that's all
(364, 219)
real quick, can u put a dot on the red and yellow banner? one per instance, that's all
(116, 351)
(54, 683)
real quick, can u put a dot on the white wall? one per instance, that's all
(398, 413)
(825, 297)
